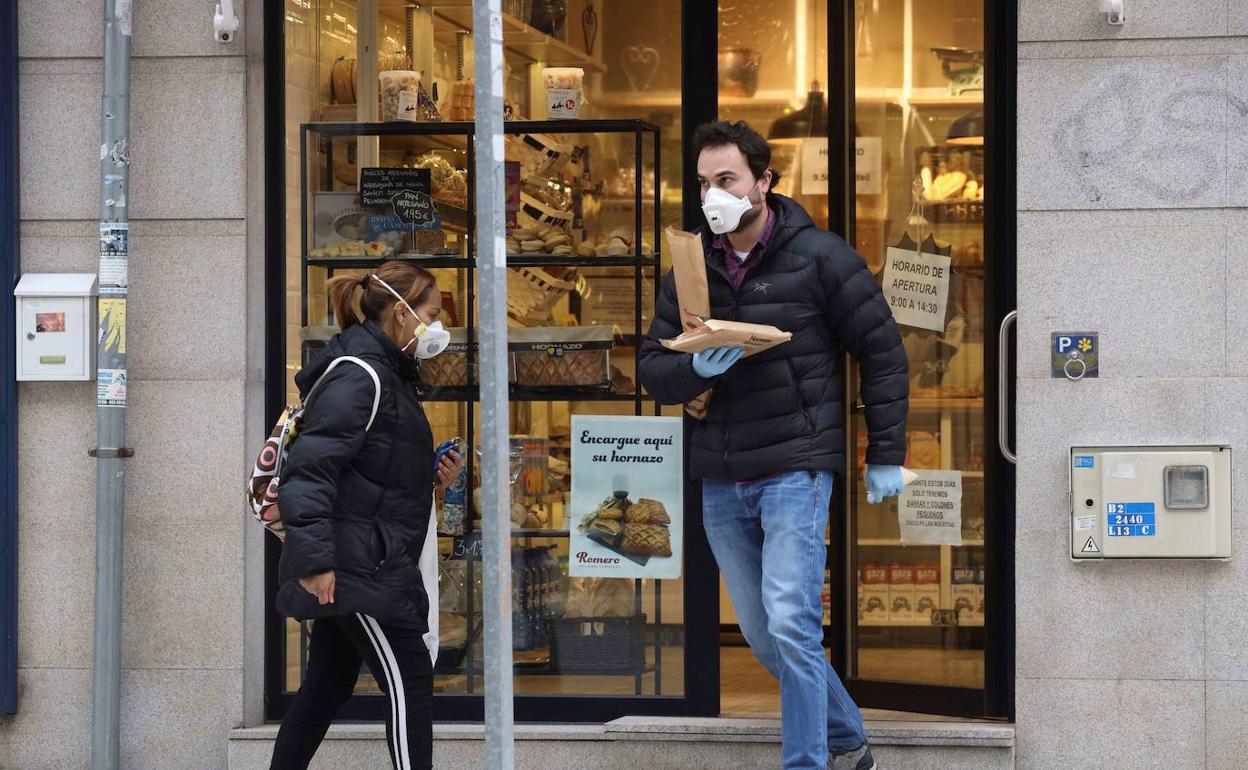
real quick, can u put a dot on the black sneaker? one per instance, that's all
(854, 759)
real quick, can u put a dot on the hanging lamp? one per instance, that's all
(967, 130)
(809, 121)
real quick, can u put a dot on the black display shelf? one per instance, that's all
(467, 128)
(645, 140)
(525, 533)
(524, 394)
(513, 260)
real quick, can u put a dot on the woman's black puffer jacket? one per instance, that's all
(353, 501)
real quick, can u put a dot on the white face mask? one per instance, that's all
(431, 339)
(724, 210)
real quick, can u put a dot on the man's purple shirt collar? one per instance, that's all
(738, 268)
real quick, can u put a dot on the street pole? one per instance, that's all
(110, 451)
(491, 248)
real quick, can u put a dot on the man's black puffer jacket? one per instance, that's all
(783, 410)
(355, 502)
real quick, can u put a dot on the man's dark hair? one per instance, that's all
(751, 144)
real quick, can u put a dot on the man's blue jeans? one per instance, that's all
(768, 539)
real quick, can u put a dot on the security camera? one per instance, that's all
(1113, 12)
(224, 22)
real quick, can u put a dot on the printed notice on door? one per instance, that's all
(627, 515)
(930, 509)
(916, 286)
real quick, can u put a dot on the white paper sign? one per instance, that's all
(627, 514)
(564, 103)
(916, 286)
(815, 166)
(929, 510)
(867, 166)
(409, 106)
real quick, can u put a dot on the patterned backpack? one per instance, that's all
(262, 486)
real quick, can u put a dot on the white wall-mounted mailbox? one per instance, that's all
(56, 326)
(1150, 502)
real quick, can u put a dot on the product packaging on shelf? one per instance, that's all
(901, 598)
(561, 357)
(966, 596)
(564, 92)
(874, 594)
(979, 593)
(926, 592)
(400, 95)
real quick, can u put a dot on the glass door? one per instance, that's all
(921, 634)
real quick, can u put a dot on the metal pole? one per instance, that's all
(487, 22)
(110, 450)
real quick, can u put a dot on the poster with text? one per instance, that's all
(627, 513)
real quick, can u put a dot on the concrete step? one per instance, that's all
(655, 743)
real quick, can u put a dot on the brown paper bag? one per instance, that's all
(689, 266)
(755, 338)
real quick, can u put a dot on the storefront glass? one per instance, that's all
(919, 110)
(594, 267)
(773, 74)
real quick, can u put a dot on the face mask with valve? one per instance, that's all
(430, 339)
(723, 210)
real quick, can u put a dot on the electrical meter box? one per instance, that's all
(1169, 502)
(56, 326)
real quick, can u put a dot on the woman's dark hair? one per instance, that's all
(751, 144)
(355, 299)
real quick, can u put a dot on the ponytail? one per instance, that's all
(356, 299)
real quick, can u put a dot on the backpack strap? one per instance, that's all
(371, 373)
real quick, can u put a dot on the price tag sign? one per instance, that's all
(467, 547)
(868, 165)
(407, 192)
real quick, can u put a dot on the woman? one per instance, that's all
(355, 503)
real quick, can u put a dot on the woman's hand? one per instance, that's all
(449, 468)
(320, 585)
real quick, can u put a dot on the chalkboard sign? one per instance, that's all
(467, 547)
(405, 191)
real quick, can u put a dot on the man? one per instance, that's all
(774, 430)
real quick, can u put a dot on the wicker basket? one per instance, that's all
(561, 357)
(608, 645)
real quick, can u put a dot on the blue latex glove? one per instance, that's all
(883, 481)
(713, 362)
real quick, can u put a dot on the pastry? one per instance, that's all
(605, 532)
(611, 508)
(646, 540)
(647, 512)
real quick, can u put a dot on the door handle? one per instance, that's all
(1003, 387)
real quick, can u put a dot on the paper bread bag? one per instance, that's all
(689, 269)
(755, 338)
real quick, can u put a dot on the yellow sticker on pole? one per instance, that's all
(113, 324)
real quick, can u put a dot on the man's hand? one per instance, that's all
(320, 585)
(449, 468)
(713, 362)
(883, 481)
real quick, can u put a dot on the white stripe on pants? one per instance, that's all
(394, 686)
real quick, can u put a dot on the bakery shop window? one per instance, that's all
(596, 198)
